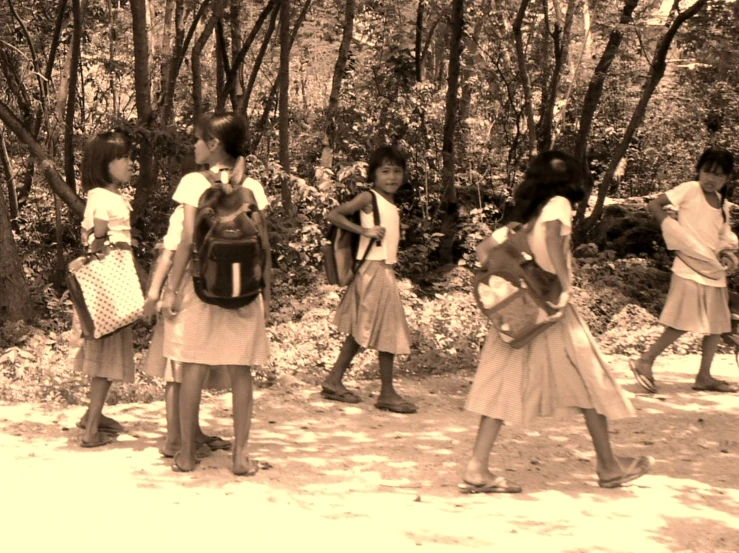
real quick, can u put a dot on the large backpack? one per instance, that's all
(340, 253)
(513, 291)
(228, 256)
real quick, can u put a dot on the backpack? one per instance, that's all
(512, 290)
(340, 254)
(228, 257)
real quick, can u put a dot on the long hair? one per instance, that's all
(228, 127)
(99, 152)
(552, 173)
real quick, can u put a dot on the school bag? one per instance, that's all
(228, 257)
(340, 253)
(512, 290)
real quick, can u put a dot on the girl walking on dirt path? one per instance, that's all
(696, 302)
(200, 335)
(371, 312)
(106, 165)
(561, 370)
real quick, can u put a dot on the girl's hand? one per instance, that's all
(564, 299)
(375, 232)
(97, 246)
(728, 260)
(150, 309)
(167, 304)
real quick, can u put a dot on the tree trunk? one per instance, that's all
(165, 46)
(240, 56)
(592, 99)
(15, 300)
(420, 13)
(74, 55)
(246, 98)
(465, 103)
(329, 139)
(656, 72)
(449, 197)
(284, 117)
(9, 179)
(148, 173)
(237, 21)
(524, 76)
(197, 49)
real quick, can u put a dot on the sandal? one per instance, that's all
(202, 452)
(497, 485)
(251, 470)
(646, 382)
(637, 469)
(718, 386)
(402, 406)
(177, 468)
(100, 439)
(106, 424)
(345, 396)
(215, 443)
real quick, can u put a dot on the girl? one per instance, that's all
(105, 166)
(200, 335)
(371, 312)
(561, 370)
(696, 303)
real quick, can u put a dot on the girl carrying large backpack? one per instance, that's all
(199, 334)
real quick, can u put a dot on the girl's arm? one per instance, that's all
(657, 207)
(338, 216)
(100, 232)
(180, 261)
(162, 266)
(557, 245)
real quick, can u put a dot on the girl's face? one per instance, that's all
(203, 150)
(712, 180)
(120, 170)
(388, 178)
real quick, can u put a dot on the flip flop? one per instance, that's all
(638, 468)
(252, 468)
(109, 426)
(720, 386)
(498, 485)
(215, 443)
(345, 396)
(646, 382)
(177, 468)
(100, 439)
(202, 452)
(403, 406)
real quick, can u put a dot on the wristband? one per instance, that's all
(100, 237)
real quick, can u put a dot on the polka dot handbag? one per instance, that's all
(106, 292)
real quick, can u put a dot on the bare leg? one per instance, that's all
(243, 408)
(478, 471)
(388, 396)
(192, 384)
(610, 466)
(667, 338)
(333, 381)
(173, 440)
(710, 345)
(98, 392)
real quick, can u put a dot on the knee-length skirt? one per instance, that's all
(558, 373)
(371, 310)
(211, 335)
(695, 307)
(109, 357)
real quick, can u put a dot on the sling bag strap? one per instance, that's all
(376, 218)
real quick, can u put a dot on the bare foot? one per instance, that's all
(243, 466)
(183, 464)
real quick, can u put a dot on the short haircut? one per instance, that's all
(382, 155)
(99, 152)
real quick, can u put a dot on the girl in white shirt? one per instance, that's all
(561, 371)
(371, 312)
(106, 165)
(696, 302)
(200, 335)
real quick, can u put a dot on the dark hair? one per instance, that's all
(549, 174)
(714, 158)
(99, 152)
(228, 127)
(382, 155)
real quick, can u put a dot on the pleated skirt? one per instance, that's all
(694, 307)
(211, 335)
(158, 366)
(559, 373)
(109, 357)
(371, 310)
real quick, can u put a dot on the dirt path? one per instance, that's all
(351, 478)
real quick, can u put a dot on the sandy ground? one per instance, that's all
(352, 478)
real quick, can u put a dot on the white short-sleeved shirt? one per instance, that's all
(706, 222)
(559, 209)
(111, 207)
(192, 186)
(174, 231)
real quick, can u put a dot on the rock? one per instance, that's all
(586, 251)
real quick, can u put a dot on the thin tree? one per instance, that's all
(284, 106)
(523, 74)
